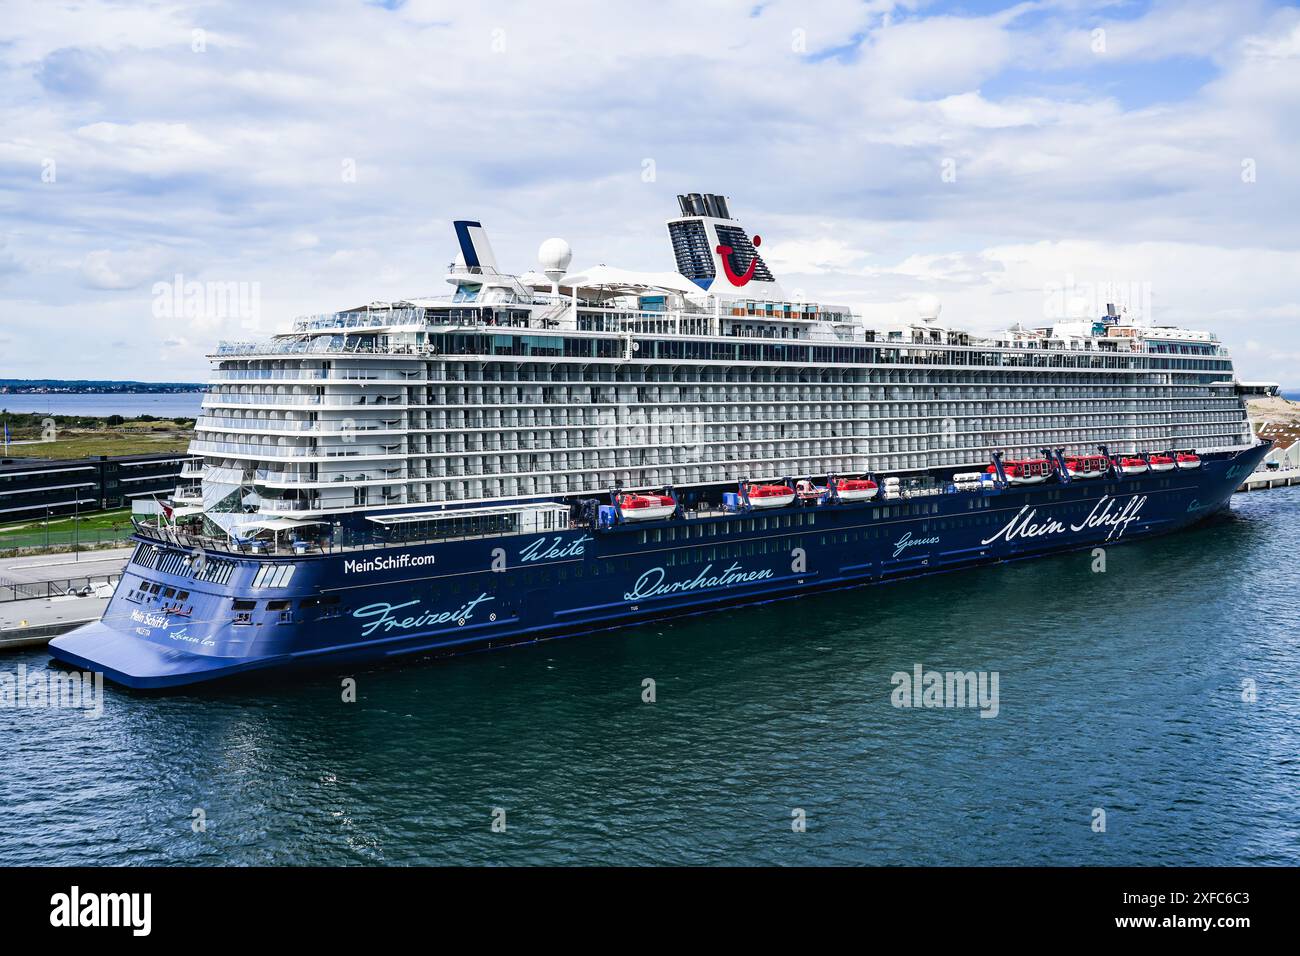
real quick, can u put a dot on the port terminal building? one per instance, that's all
(33, 488)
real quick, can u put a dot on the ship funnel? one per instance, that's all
(716, 253)
(475, 249)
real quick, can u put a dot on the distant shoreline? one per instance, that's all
(102, 404)
(57, 387)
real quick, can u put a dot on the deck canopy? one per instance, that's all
(277, 524)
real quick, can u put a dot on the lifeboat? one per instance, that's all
(1031, 471)
(1161, 463)
(769, 496)
(855, 489)
(1188, 460)
(806, 489)
(1086, 466)
(1131, 466)
(646, 507)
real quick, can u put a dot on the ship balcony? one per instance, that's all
(266, 374)
(266, 476)
(256, 452)
(188, 495)
(341, 426)
(371, 476)
(215, 423)
(289, 505)
(369, 319)
(358, 400)
(358, 376)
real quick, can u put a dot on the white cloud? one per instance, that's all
(122, 269)
(228, 164)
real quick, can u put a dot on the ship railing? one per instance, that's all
(344, 427)
(241, 398)
(67, 587)
(223, 423)
(332, 541)
(669, 322)
(256, 374)
(212, 399)
(258, 452)
(371, 318)
(283, 477)
(361, 375)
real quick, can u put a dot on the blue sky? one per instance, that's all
(981, 151)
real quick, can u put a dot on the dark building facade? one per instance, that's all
(35, 487)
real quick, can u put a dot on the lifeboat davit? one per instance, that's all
(807, 489)
(1031, 471)
(1132, 466)
(1161, 463)
(1086, 466)
(769, 496)
(1188, 460)
(855, 489)
(646, 507)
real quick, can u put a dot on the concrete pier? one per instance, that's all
(32, 622)
(1260, 480)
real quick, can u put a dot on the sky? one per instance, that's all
(175, 174)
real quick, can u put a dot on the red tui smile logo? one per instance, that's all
(732, 277)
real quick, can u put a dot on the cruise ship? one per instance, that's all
(536, 455)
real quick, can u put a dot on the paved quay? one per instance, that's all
(38, 568)
(33, 623)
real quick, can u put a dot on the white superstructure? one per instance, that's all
(557, 383)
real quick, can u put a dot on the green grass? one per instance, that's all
(85, 436)
(111, 518)
(89, 443)
(64, 532)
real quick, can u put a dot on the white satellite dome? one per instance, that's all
(554, 255)
(928, 307)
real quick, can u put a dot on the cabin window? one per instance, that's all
(274, 575)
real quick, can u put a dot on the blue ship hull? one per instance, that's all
(166, 627)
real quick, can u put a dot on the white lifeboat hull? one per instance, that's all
(857, 494)
(1026, 479)
(1132, 469)
(1189, 465)
(1079, 475)
(1163, 467)
(648, 514)
(776, 501)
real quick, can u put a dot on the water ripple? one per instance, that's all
(1120, 692)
